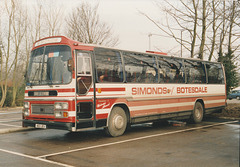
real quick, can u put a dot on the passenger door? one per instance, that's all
(84, 82)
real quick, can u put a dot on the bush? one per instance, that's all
(20, 96)
(9, 97)
(231, 111)
(8, 100)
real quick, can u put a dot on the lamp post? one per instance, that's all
(182, 30)
(149, 41)
(181, 42)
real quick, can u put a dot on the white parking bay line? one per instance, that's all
(35, 158)
(10, 125)
(6, 113)
(135, 139)
(10, 119)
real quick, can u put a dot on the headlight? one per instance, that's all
(61, 106)
(61, 114)
(25, 112)
(26, 105)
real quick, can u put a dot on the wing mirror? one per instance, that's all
(70, 65)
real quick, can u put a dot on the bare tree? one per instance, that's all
(215, 26)
(185, 18)
(193, 18)
(223, 32)
(45, 19)
(84, 25)
(230, 28)
(6, 65)
(195, 7)
(232, 22)
(12, 39)
(19, 27)
(53, 19)
(204, 29)
(35, 23)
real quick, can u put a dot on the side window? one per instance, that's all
(140, 68)
(171, 70)
(195, 71)
(215, 73)
(84, 72)
(108, 65)
(84, 65)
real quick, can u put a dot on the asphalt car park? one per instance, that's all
(10, 120)
(214, 142)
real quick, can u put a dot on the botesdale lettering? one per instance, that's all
(182, 90)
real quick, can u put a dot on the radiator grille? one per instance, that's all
(45, 109)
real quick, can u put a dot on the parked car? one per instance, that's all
(235, 94)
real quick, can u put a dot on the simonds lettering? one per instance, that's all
(149, 90)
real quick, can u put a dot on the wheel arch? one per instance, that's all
(125, 108)
(197, 112)
(202, 102)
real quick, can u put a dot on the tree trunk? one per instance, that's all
(222, 35)
(201, 49)
(214, 30)
(194, 28)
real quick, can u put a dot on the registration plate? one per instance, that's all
(41, 93)
(42, 126)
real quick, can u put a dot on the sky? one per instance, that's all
(132, 27)
(127, 23)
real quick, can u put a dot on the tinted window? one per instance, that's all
(171, 70)
(140, 68)
(195, 72)
(109, 65)
(215, 73)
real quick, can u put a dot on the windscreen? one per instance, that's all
(49, 65)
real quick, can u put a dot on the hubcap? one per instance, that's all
(198, 113)
(118, 122)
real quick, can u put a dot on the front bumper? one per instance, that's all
(49, 125)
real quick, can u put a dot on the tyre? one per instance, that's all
(238, 98)
(197, 114)
(117, 122)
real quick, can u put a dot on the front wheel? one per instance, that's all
(117, 122)
(197, 114)
(238, 98)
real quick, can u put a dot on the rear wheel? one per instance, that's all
(238, 98)
(197, 114)
(117, 122)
